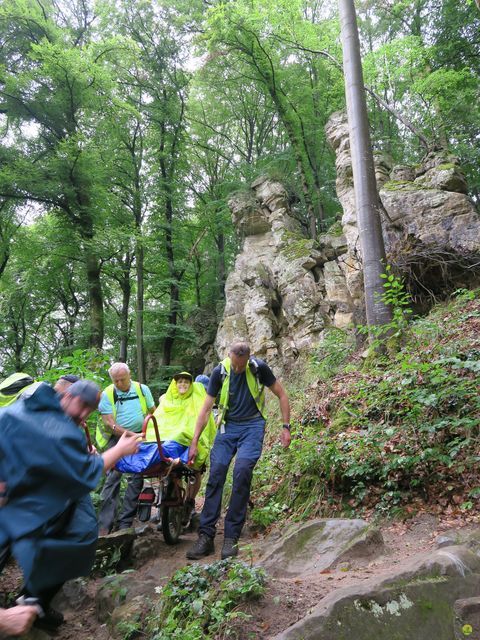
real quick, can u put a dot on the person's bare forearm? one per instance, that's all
(285, 408)
(200, 424)
(279, 391)
(110, 458)
(116, 429)
(113, 427)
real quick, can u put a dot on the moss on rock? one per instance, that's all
(296, 246)
(395, 185)
(446, 167)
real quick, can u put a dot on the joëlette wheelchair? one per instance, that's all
(171, 497)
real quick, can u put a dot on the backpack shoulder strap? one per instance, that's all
(223, 373)
(112, 396)
(254, 366)
(141, 395)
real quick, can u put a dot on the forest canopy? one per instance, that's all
(126, 126)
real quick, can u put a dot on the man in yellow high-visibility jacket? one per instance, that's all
(241, 380)
(123, 406)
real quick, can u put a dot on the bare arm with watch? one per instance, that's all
(112, 426)
(279, 391)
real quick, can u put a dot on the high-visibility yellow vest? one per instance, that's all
(256, 389)
(12, 388)
(102, 436)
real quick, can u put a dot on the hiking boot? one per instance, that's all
(50, 621)
(203, 547)
(230, 548)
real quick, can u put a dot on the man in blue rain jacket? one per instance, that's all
(46, 514)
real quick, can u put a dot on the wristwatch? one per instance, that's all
(287, 426)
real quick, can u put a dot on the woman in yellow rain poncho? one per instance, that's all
(177, 413)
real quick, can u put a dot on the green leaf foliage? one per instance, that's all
(203, 601)
(403, 430)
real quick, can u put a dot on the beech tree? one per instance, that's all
(260, 35)
(366, 195)
(57, 91)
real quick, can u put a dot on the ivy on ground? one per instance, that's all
(201, 602)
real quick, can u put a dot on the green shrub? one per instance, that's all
(407, 428)
(85, 363)
(331, 356)
(267, 515)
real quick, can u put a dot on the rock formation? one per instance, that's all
(275, 294)
(425, 210)
(318, 545)
(417, 602)
(285, 289)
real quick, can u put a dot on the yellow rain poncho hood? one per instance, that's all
(176, 416)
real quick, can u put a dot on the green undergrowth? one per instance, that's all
(200, 601)
(389, 434)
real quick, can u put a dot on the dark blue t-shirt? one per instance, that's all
(241, 404)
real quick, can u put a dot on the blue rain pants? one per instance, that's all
(245, 440)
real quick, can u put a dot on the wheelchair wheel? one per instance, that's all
(172, 524)
(144, 512)
(172, 518)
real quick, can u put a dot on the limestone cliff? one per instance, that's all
(285, 289)
(426, 218)
(274, 296)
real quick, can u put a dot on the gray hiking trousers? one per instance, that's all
(109, 497)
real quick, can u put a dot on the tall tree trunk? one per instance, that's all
(172, 322)
(172, 272)
(18, 358)
(139, 254)
(95, 298)
(4, 260)
(197, 263)
(124, 328)
(167, 171)
(19, 332)
(292, 122)
(93, 265)
(5, 237)
(136, 151)
(302, 161)
(366, 195)
(440, 133)
(69, 340)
